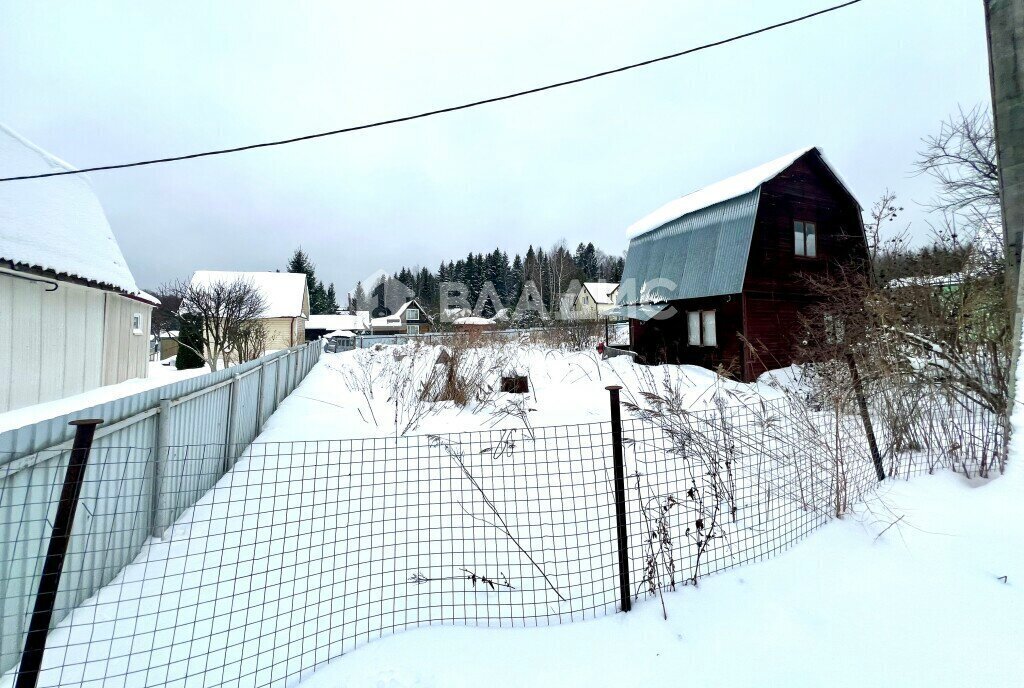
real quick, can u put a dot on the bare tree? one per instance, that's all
(250, 341)
(229, 312)
(962, 159)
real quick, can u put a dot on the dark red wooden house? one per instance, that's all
(729, 263)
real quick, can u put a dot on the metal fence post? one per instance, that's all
(862, 402)
(277, 383)
(620, 498)
(53, 565)
(161, 454)
(229, 426)
(259, 400)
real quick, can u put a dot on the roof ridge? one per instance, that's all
(717, 192)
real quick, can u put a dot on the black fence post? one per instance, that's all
(862, 402)
(620, 498)
(49, 581)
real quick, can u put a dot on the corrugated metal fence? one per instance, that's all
(153, 476)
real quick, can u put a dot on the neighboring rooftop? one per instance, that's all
(395, 319)
(56, 224)
(284, 292)
(360, 320)
(601, 292)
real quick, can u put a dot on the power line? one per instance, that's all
(441, 111)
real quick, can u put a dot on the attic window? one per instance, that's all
(412, 313)
(804, 234)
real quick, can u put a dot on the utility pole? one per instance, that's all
(1004, 22)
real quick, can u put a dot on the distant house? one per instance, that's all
(163, 345)
(71, 316)
(286, 297)
(473, 324)
(318, 326)
(409, 319)
(594, 300)
(728, 264)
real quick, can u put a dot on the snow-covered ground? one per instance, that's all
(923, 603)
(158, 376)
(362, 393)
(307, 550)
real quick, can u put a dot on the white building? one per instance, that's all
(286, 299)
(409, 319)
(321, 325)
(71, 316)
(594, 300)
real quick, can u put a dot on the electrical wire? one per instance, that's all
(440, 111)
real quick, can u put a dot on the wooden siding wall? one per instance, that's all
(51, 342)
(284, 332)
(665, 341)
(773, 328)
(776, 286)
(806, 191)
(125, 354)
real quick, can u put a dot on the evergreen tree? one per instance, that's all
(318, 301)
(190, 341)
(300, 262)
(359, 296)
(515, 281)
(332, 300)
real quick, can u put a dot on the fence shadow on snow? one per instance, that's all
(306, 550)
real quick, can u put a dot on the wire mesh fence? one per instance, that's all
(303, 551)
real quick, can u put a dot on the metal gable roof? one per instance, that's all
(697, 246)
(703, 253)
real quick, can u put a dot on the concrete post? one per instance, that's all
(1004, 21)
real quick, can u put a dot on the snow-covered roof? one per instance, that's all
(149, 298)
(950, 280)
(395, 319)
(284, 292)
(473, 320)
(340, 333)
(601, 292)
(724, 190)
(57, 223)
(360, 320)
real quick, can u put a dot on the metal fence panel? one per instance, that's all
(306, 550)
(118, 505)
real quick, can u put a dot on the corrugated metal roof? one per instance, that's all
(700, 254)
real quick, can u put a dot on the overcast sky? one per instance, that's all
(96, 82)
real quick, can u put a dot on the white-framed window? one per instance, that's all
(805, 239)
(709, 328)
(693, 328)
(412, 329)
(701, 328)
(412, 314)
(136, 323)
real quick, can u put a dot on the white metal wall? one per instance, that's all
(51, 342)
(125, 352)
(143, 475)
